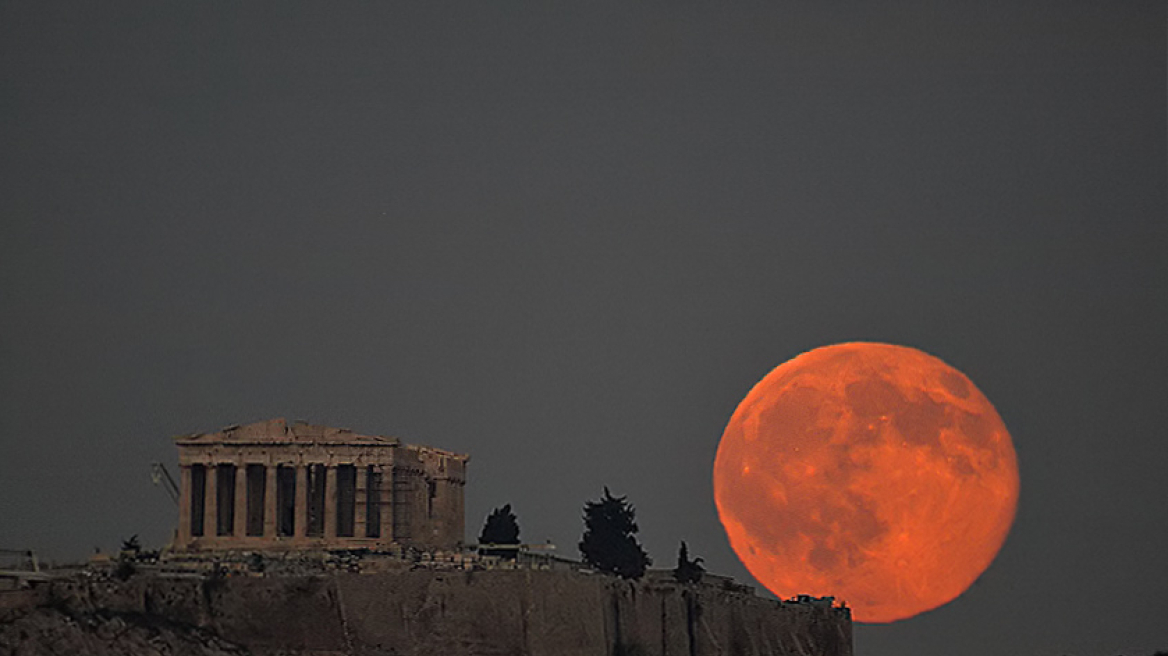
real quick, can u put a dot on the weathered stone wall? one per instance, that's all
(553, 613)
(454, 613)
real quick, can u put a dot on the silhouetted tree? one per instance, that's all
(501, 527)
(609, 543)
(129, 553)
(687, 571)
(132, 545)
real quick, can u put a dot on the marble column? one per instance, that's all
(270, 501)
(387, 503)
(184, 506)
(360, 499)
(211, 505)
(240, 529)
(330, 501)
(301, 527)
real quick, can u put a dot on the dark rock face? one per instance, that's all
(51, 632)
(428, 613)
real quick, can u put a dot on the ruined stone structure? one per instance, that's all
(274, 485)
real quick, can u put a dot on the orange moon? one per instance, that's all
(874, 473)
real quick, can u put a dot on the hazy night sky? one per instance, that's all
(568, 238)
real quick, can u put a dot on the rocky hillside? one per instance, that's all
(48, 631)
(417, 613)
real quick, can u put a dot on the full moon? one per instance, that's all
(874, 473)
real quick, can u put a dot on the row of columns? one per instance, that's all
(381, 502)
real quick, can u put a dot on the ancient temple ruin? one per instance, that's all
(275, 485)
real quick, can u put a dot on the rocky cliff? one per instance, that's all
(428, 612)
(47, 631)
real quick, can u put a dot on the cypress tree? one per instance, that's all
(609, 543)
(501, 527)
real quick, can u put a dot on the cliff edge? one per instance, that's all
(427, 613)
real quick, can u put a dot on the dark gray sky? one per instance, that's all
(568, 240)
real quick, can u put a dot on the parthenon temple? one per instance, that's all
(275, 485)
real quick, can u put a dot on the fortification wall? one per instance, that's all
(456, 613)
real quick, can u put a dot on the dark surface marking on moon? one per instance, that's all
(976, 427)
(920, 420)
(866, 525)
(823, 559)
(872, 398)
(955, 383)
(960, 464)
(794, 417)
